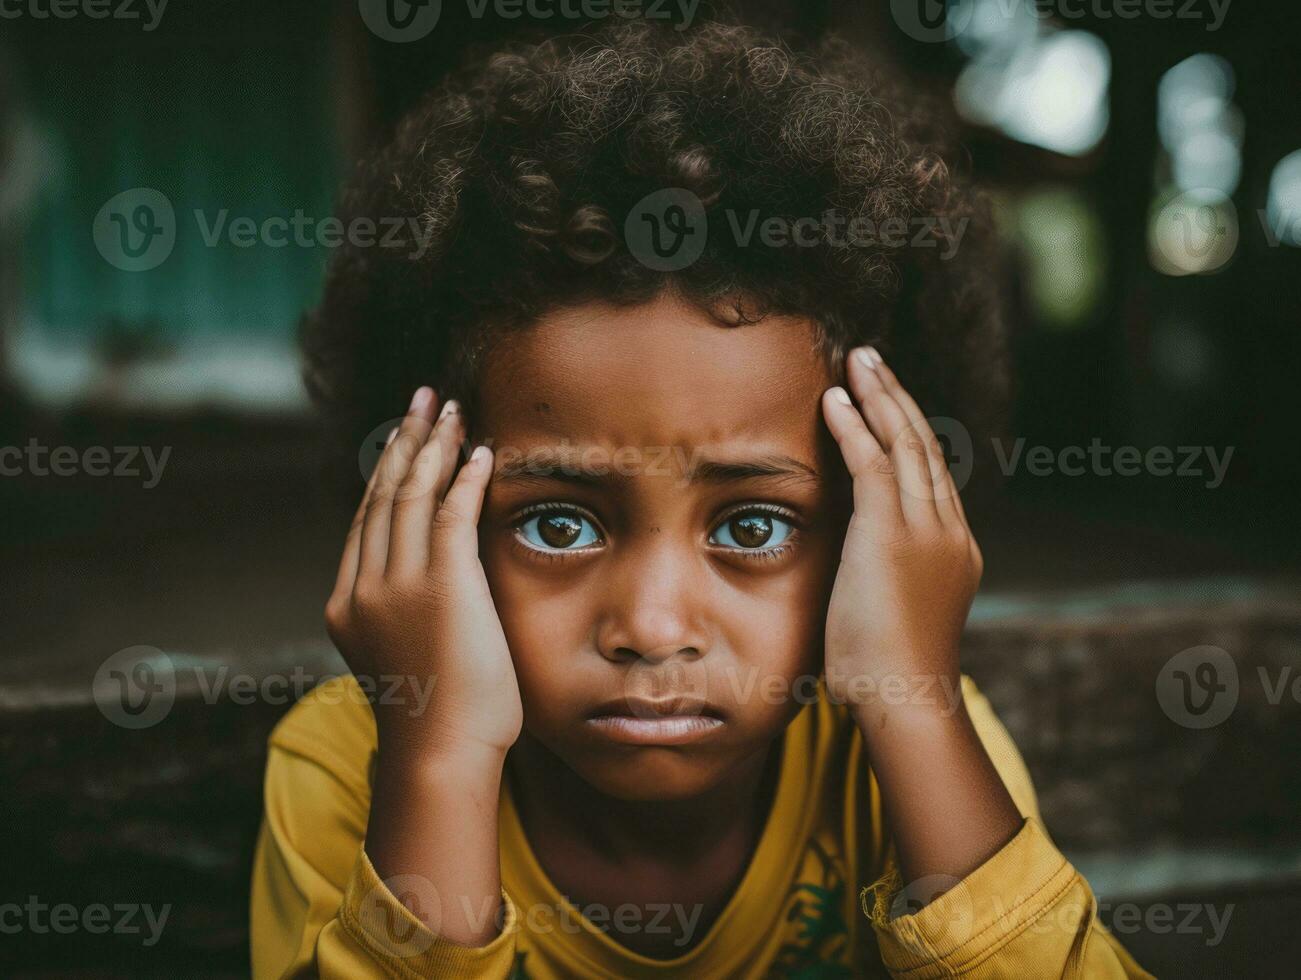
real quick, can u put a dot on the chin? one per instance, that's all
(652, 774)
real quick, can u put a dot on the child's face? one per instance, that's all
(694, 560)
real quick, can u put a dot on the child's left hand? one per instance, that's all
(910, 566)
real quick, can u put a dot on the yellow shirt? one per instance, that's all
(815, 902)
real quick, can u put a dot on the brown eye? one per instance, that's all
(750, 531)
(559, 530)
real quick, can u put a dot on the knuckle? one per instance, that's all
(881, 464)
(448, 518)
(407, 444)
(368, 598)
(379, 497)
(912, 443)
(416, 486)
(955, 543)
(337, 614)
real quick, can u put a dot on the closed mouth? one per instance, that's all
(664, 729)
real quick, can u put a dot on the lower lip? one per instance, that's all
(670, 730)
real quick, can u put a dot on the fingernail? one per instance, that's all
(867, 357)
(841, 395)
(420, 399)
(391, 433)
(449, 406)
(479, 456)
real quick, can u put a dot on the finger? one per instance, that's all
(450, 434)
(454, 541)
(418, 497)
(945, 494)
(876, 492)
(391, 469)
(895, 431)
(347, 573)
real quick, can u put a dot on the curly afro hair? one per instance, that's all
(522, 167)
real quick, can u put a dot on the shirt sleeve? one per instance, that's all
(318, 907)
(1025, 912)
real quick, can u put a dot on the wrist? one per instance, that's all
(920, 710)
(419, 748)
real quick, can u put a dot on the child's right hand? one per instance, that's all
(411, 601)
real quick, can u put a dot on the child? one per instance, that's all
(692, 622)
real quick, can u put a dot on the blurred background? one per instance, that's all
(162, 485)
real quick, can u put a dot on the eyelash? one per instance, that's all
(746, 554)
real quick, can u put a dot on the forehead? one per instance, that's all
(662, 373)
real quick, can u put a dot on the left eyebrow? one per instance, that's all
(571, 465)
(775, 465)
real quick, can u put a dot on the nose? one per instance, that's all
(654, 606)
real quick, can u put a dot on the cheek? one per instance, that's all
(779, 630)
(546, 629)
